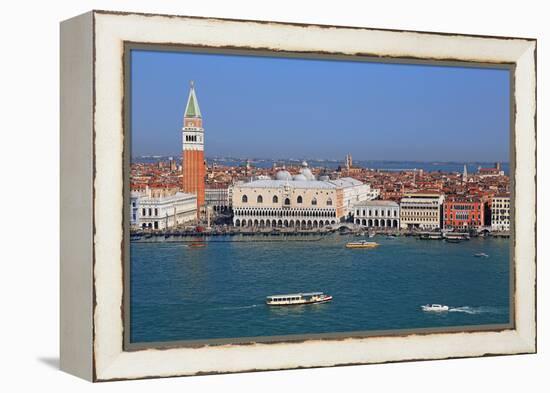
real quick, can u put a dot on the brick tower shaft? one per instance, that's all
(194, 167)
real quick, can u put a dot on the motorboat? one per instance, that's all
(481, 255)
(435, 307)
(294, 299)
(457, 236)
(197, 245)
(362, 244)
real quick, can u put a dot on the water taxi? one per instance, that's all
(293, 299)
(435, 307)
(457, 236)
(362, 244)
(430, 235)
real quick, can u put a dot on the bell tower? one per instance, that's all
(194, 171)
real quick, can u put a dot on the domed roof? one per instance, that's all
(283, 175)
(299, 177)
(306, 172)
(324, 177)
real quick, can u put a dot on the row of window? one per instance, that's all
(144, 212)
(377, 223)
(411, 206)
(191, 138)
(433, 214)
(279, 213)
(462, 216)
(463, 224)
(383, 213)
(299, 200)
(461, 207)
(417, 219)
(283, 223)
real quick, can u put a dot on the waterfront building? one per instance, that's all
(463, 213)
(134, 209)
(194, 168)
(500, 213)
(377, 214)
(421, 210)
(162, 210)
(217, 197)
(298, 201)
(354, 192)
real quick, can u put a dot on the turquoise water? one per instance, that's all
(182, 293)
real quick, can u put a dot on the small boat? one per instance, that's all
(372, 234)
(430, 236)
(481, 255)
(197, 245)
(457, 235)
(362, 244)
(435, 307)
(294, 299)
(453, 240)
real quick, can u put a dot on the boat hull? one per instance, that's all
(435, 309)
(300, 303)
(362, 245)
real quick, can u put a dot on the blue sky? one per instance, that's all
(263, 107)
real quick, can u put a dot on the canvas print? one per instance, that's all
(274, 198)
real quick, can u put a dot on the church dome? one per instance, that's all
(306, 172)
(283, 175)
(299, 177)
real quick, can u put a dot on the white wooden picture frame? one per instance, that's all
(92, 194)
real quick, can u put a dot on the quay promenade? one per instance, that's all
(209, 234)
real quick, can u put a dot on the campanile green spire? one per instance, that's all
(192, 109)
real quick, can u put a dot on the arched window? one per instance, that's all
(287, 201)
(275, 199)
(300, 199)
(260, 199)
(245, 199)
(314, 201)
(329, 202)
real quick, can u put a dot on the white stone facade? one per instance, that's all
(500, 213)
(286, 203)
(354, 192)
(421, 210)
(217, 198)
(162, 212)
(377, 214)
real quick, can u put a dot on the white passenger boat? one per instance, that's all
(362, 244)
(297, 299)
(435, 307)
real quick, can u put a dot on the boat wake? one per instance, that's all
(237, 307)
(478, 310)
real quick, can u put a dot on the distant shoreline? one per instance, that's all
(381, 165)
